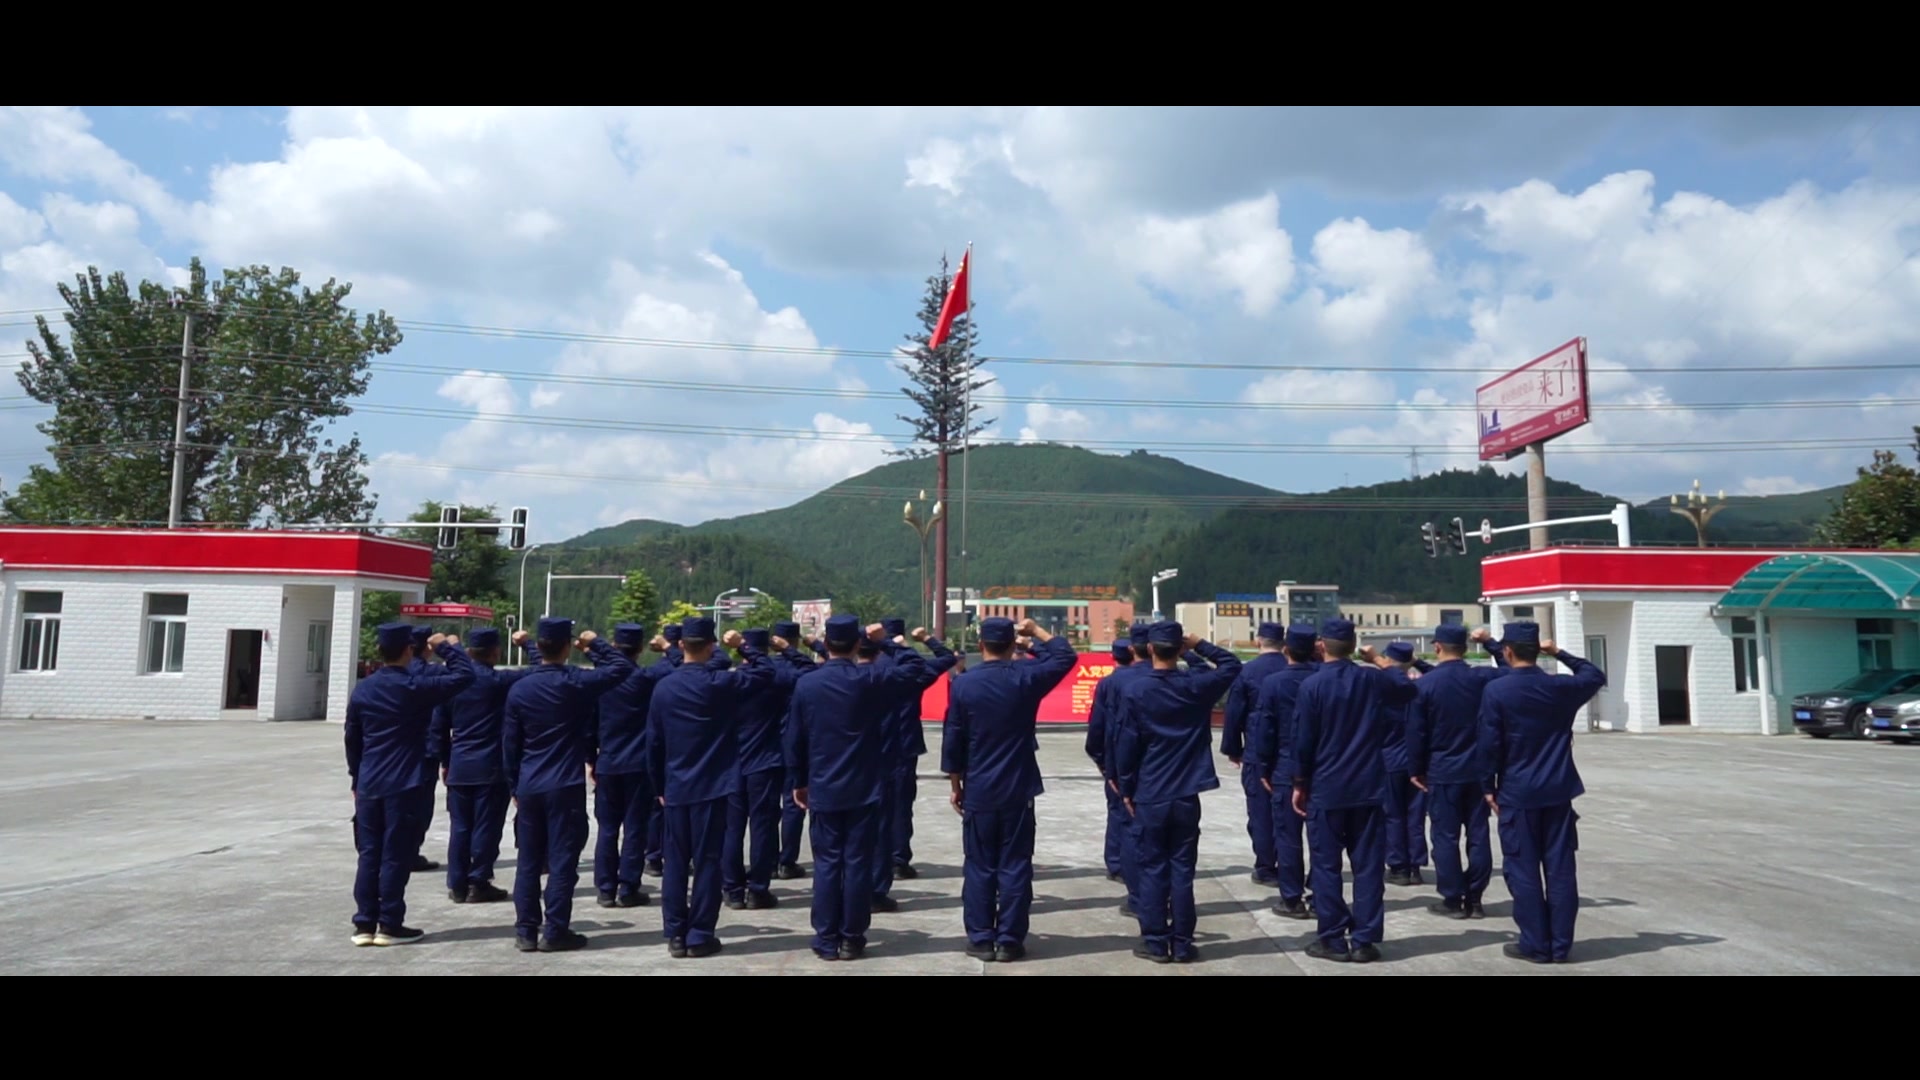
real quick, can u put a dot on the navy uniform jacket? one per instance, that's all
(1341, 719)
(906, 738)
(1526, 732)
(1396, 748)
(467, 728)
(1166, 743)
(1236, 742)
(836, 723)
(620, 746)
(388, 717)
(436, 740)
(1443, 723)
(991, 721)
(548, 733)
(1103, 718)
(693, 746)
(1270, 725)
(762, 717)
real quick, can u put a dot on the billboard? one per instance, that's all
(812, 616)
(1541, 399)
(1069, 703)
(448, 611)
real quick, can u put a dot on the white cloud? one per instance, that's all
(1239, 249)
(1771, 485)
(1379, 272)
(1049, 423)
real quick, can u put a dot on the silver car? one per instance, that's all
(1895, 718)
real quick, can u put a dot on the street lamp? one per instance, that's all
(924, 527)
(1164, 575)
(1697, 508)
(716, 604)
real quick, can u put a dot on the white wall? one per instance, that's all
(298, 694)
(1612, 620)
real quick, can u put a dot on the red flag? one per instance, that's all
(955, 306)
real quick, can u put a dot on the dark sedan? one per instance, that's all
(1843, 709)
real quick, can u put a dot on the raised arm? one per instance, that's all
(1214, 681)
(438, 686)
(610, 665)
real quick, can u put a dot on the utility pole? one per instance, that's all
(1537, 494)
(177, 500)
(1413, 455)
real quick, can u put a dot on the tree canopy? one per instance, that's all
(941, 381)
(1881, 508)
(274, 363)
(638, 601)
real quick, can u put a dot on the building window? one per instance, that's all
(166, 633)
(1876, 643)
(39, 631)
(1522, 614)
(1746, 656)
(1452, 617)
(319, 647)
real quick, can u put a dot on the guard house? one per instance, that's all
(1713, 639)
(189, 624)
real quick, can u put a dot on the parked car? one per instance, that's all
(1844, 708)
(1895, 718)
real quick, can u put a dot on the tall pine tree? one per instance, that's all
(941, 383)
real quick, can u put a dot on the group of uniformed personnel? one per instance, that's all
(704, 771)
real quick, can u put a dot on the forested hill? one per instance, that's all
(1063, 516)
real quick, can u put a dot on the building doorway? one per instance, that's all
(1597, 656)
(1673, 683)
(243, 669)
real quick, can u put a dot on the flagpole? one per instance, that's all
(966, 457)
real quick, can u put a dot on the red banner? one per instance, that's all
(448, 611)
(1069, 703)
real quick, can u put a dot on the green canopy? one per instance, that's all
(1837, 584)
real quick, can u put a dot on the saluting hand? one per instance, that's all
(1190, 642)
(434, 641)
(732, 639)
(519, 637)
(658, 644)
(588, 638)
(920, 633)
(876, 632)
(1549, 647)
(781, 644)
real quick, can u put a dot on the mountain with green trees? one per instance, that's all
(1064, 516)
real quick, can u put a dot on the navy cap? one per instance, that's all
(671, 632)
(1337, 630)
(630, 634)
(394, 635)
(996, 631)
(1400, 652)
(1450, 634)
(1301, 636)
(1521, 633)
(1270, 631)
(759, 639)
(894, 628)
(867, 646)
(1137, 635)
(1165, 632)
(420, 634)
(484, 638)
(787, 631)
(843, 630)
(697, 628)
(1122, 652)
(555, 631)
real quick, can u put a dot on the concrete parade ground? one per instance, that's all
(223, 848)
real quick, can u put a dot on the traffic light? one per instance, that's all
(1429, 539)
(1457, 536)
(449, 515)
(517, 536)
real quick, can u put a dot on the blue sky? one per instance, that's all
(1445, 244)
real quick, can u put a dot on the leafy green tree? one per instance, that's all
(638, 601)
(1880, 509)
(765, 612)
(869, 606)
(274, 362)
(680, 611)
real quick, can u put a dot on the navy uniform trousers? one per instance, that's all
(476, 818)
(1452, 808)
(906, 788)
(1539, 844)
(880, 859)
(1259, 819)
(549, 832)
(1358, 832)
(1289, 847)
(1406, 823)
(753, 833)
(656, 832)
(1118, 851)
(1168, 835)
(844, 842)
(387, 833)
(622, 803)
(793, 823)
(696, 832)
(997, 892)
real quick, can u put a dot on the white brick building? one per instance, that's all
(1709, 638)
(179, 625)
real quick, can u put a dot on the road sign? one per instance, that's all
(1486, 531)
(1543, 398)
(448, 611)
